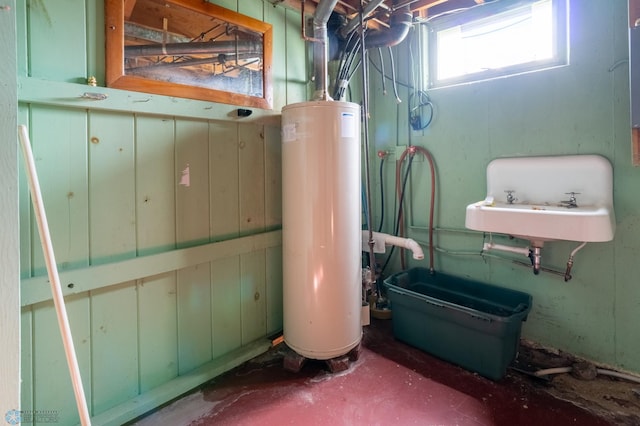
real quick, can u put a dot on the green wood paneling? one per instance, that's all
(229, 4)
(276, 16)
(295, 60)
(112, 187)
(57, 40)
(26, 360)
(252, 186)
(194, 317)
(26, 210)
(252, 9)
(94, 277)
(274, 289)
(192, 181)
(114, 354)
(155, 185)
(273, 177)
(22, 39)
(157, 328)
(69, 95)
(180, 385)
(10, 214)
(120, 210)
(253, 296)
(225, 305)
(58, 137)
(224, 184)
(50, 363)
(95, 40)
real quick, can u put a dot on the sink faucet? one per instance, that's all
(571, 202)
(510, 197)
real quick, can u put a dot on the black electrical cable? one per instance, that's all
(399, 83)
(397, 228)
(415, 112)
(345, 67)
(354, 71)
(344, 64)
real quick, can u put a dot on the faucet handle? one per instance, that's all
(572, 195)
(510, 197)
(571, 202)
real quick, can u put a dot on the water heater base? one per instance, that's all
(294, 362)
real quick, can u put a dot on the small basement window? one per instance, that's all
(496, 39)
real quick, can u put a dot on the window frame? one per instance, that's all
(560, 29)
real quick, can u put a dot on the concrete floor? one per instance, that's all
(390, 383)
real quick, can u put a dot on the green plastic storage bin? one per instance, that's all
(469, 323)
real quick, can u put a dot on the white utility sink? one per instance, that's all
(547, 198)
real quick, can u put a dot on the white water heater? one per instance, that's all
(322, 237)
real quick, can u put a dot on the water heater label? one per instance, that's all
(289, 132)
(348, 125)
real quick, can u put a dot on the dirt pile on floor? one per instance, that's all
(585, 385)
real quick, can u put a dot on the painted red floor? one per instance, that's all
(390, 384)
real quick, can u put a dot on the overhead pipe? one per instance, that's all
(217, 47)
(399, 25)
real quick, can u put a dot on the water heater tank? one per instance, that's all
(321, 228)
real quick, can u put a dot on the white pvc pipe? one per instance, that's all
(519, 250)
(381, 240)
(611, 373)
(54, 278)
(407, 243)
(619, 375)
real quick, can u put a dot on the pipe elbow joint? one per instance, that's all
(415, 248)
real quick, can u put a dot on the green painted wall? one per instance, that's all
(165, 276)
(582, 108)
(169, 281)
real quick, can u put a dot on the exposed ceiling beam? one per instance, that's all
(309, 6)
(350, 7)
(128, 8)
(422, 6)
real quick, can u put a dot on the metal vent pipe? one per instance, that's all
(321, 49)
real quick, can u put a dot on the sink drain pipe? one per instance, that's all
(532, 253)
(519, 250)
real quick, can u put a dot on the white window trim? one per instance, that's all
(561, 37)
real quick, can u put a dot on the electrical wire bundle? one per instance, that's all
(346, 67)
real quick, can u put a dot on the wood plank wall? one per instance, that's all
(129, 188)
(9, 272)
